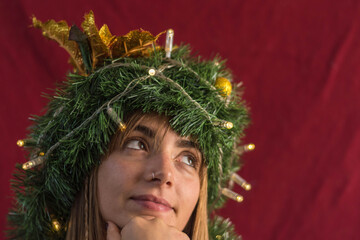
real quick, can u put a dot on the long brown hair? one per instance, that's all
(86, 221)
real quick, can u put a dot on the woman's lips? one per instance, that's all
(152, 202)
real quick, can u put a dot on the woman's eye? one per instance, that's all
(188, 160)
(135, 144)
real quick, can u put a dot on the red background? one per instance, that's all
(299, 61)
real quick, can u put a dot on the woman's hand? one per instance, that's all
(140, 228)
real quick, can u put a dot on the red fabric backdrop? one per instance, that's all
(299, 61)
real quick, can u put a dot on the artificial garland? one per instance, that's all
(114, 76)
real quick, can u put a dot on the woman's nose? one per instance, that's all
(161, 169)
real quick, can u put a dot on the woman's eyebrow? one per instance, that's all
(181, 143)
(186, 144)
(145, 130)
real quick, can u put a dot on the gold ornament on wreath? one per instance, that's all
(224, 85)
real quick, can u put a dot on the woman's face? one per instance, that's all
(155, 173)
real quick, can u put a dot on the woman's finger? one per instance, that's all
(144, 228)
(112, 232)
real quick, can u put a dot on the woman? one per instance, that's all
(139, 143)
(148, 184)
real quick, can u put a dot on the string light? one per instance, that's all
(56, 225)
(20, 143)
(249, 147)
(116, 119)
(228, 125)
(246, 148)
(231, 194)
(169, 42)
(240, 181)
(152, 72)
(224, 124)
(32, 163)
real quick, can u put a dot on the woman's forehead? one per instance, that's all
(155, 121)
